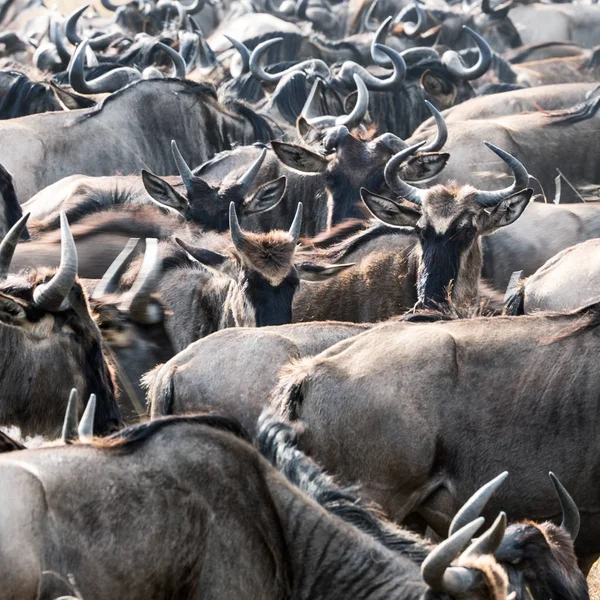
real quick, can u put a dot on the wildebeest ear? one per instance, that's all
(303, 127)
(266, 197)
(299, 158)
(7, 444)
(424, 166)
(437, 89)
(506, 212)
(202, 255)
(70, 100)
(308, 271)
(163, 192)
(388, 211)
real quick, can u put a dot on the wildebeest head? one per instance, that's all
(53, 342)
(449, 221)
(263, 269)
(350, 162)
(208, 205)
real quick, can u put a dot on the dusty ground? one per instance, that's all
(67, 6)
(594, 582)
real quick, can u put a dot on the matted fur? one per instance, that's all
(494, 575)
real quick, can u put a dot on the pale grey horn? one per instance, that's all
(138, 301)
(368, 21)
(442, 131)
(435, 568)
(237, 235)
(412, 29)
(110, 280)
(474, 506)
(380, 38)
(395, 183)
(73, 37)
(246, 180)
(108, 5)
(570, 513)
(185, 172)
(308, 110)
(9, 244)
(316, 65)
(86, 425)
(69, 430)
(453, 62)
(350, 68)
(178, 60)
(489, 542)
(488, 199)
(296, 227)
(109, 82)
(53, 295)
(243, 52)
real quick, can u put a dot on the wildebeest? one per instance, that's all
(475, 387)
(53, 344)
(247, 532)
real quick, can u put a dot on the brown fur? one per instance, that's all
(494, 577)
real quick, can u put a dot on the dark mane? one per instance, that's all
(130, 437)
(336, 234)
(580, 112)
(588, 319)
(277, 442)
(521, 55)
(290, 96)
(260, 127)
(24, 97)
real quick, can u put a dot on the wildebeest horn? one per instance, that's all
(286, 9)
(473, 507)
(137, 301)
(380, 38)
(395, 183)
(316, 65)
(53, 295)
(368, 24)
(178, 60)
(350, 68)
(498, 10)
(489, 542)
(9, 244)
(412, 29)
(108, 5)
(296, 226)
(245, 181)
(244, 53)
(185, 172)
(442, 130)
(86, 425)
(436, 570)
(192, 9)
(412, 56)
(237, 235)
(109, 82)
(488, 199)
(351, 120)
(72, 35)
(454, 64)
(69, 430)
(570, 512)
(110, 280)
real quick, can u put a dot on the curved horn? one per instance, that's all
(71, 31)
(473, 507)
(379, 38)
(178, 60)
(243, 51)
(413, 56)
(109, 82)
(296, 226)
(442, 131)
(570, 512)
(138, 301)
(69, 431)
(86, 425)
(317, 65)
(454, 64)
(237, 235)
(53, 295)
(9, 244)
(412, 29)
(108, 5)
(188, 178)
(368, 21)
(110, 280)
(301, 7)
(489, 542)
(487, 199)
(349, 69)
(435, 568)
(245, 181)
(193, 8)
(397, 185)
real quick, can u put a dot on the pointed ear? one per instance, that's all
(202, 255)
(388, 211)
(299, 158)
(506, 212)
(424, 166)
(266, 197)
(70, 100)
(303, 128)
(308, 271)
(163, 192)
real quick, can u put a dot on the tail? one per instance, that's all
(515, 295)
(288, 395)
(160, 395)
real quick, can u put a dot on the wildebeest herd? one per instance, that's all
(298, 300)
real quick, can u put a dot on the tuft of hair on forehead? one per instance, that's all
(560, 543)
(270, 254)
(495, 578)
